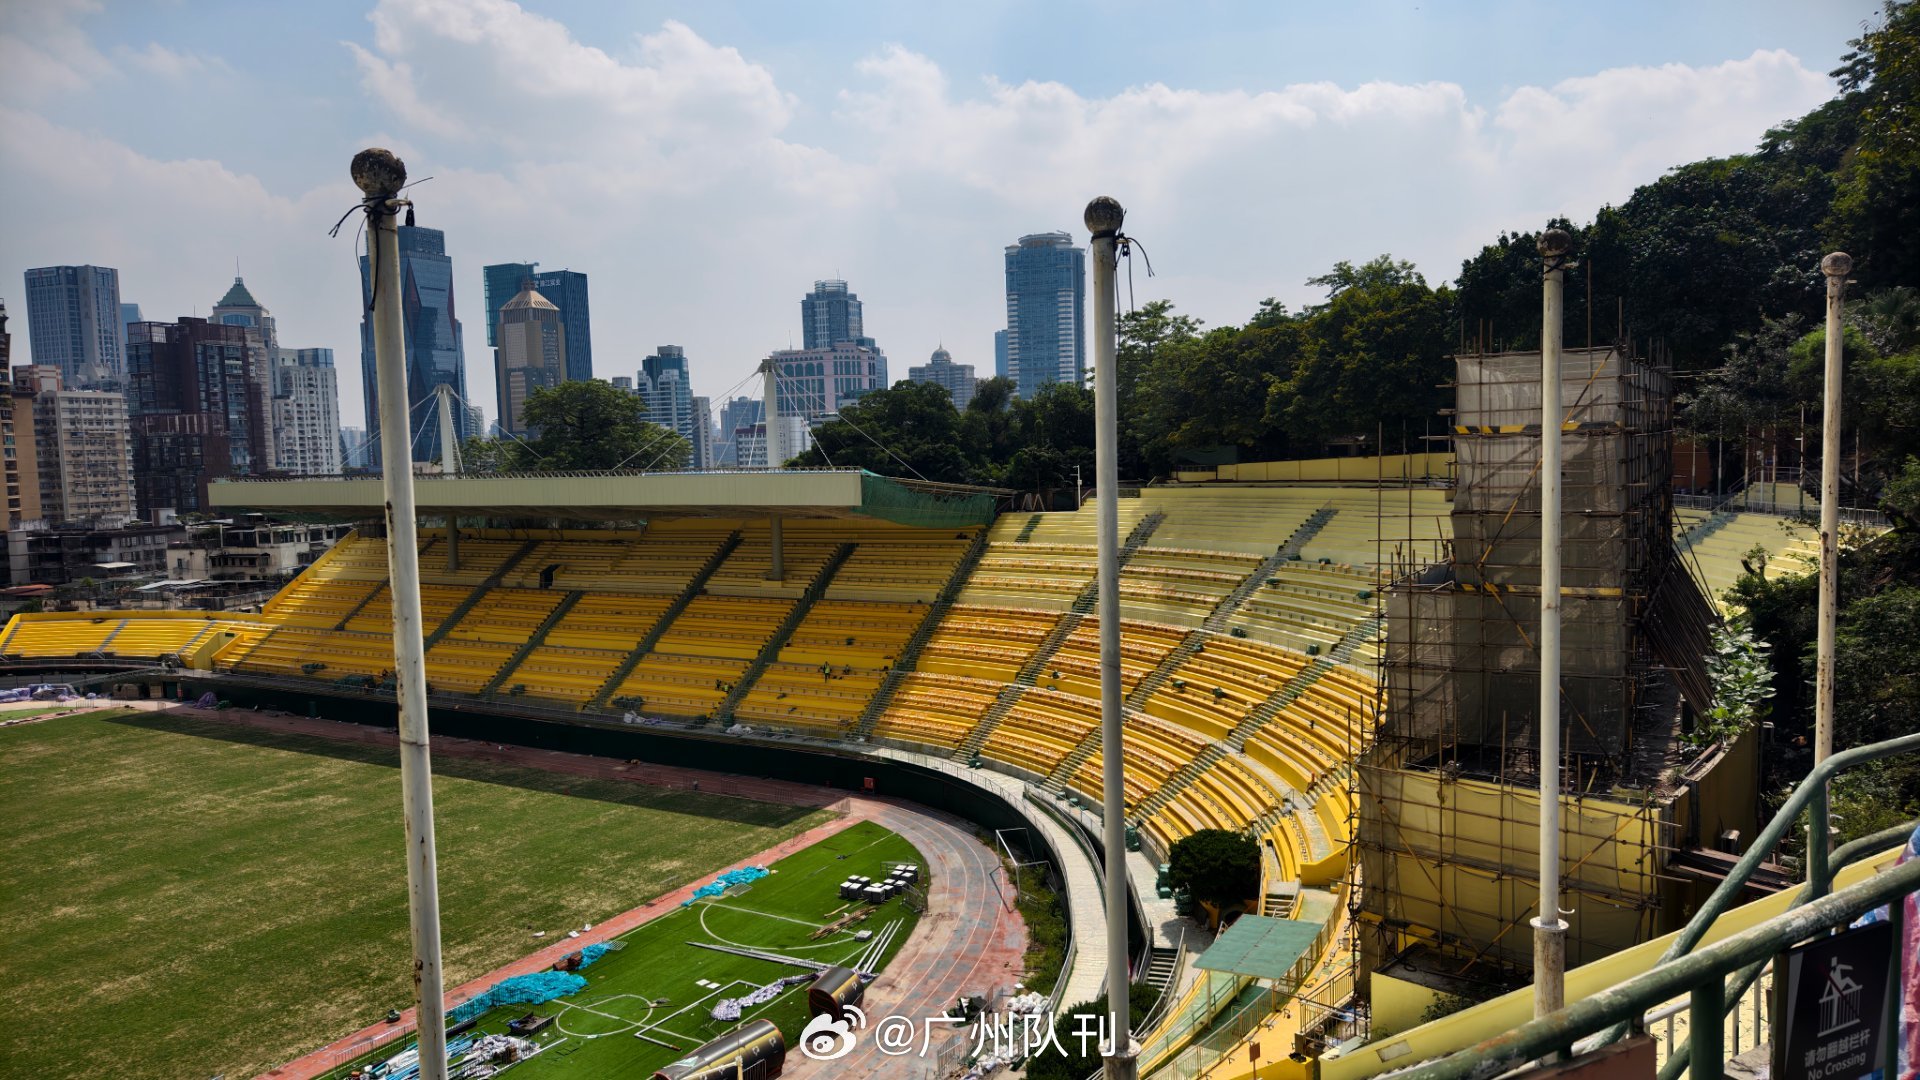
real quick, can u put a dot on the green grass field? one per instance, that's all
(181, 898)
(594, 1032)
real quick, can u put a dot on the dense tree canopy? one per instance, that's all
(582, 425)
(1215, 866)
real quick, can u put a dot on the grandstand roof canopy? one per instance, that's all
(1262, 947)
(617, 496)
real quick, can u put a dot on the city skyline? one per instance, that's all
(899, 152)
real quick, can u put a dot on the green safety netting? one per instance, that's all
(890, 500)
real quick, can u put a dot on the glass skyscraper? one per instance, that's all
(73, 323)
(564, 289)
(668, 387)
(1046, 301)
(434, 353)
(829, 315)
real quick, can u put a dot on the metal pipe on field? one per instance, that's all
(380, 176)
(1104, 216)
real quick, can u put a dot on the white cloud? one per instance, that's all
(666, 168)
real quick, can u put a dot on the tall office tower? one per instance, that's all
(9, 438)
(1046, 298)
(530, 355)
(239, 308)
(306, 413)
(668, 385)
(829, 315)
(564, 289)
(73, 323)
(83, 460)
(739, 418)
(353, 447)
(433, 347)
(477, 423)
(940, 370)
(129, 314)
(1000, 354)
(701, 435)
(816, 383)
(195, 413)
(622, 382)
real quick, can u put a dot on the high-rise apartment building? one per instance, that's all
(702, 434)
(829, 315)
(353, 447)
(1046, 301)
(564, 289)
(129, 314)
(530, 355)
(940, 370)
(435, 356)
(739, 419)
(306, 413)
(73, 323)
(1000, 354)
(668, 385)
(816, 383)
(9, 435)
(196, 410)
(82, 449)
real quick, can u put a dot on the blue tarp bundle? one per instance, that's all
(521, 990)
(720, 884)
(592, 952)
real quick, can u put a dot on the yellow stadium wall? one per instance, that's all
(1433, 465)
(1398, 1004)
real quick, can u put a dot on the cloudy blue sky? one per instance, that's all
(705, 163)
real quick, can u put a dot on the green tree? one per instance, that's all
(1070, 1055)
(1876, 205)
(1217, 867)
(909, 429)
(593, 425)
(1373, 355)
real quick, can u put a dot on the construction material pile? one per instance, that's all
(743, 876)
(729, 1009)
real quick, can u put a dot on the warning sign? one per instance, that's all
(1832, 996)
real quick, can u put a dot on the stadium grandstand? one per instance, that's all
(840, 613)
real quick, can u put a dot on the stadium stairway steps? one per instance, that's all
(771, 650)
(1715, 521)
(1003, 703)
(533, 641)
(1304, 535)
(12, 630)
(1260, 715)
(1056, 781)
(361, 603)
(1182, 778)
(1281, 900)
(1216, 621)
(1161, 967)
(694, 587)
(194, 641)
(1137, 539)
(1009, 695)
(479, 592)
(909, 658)
(101, 649)
(1026, 531)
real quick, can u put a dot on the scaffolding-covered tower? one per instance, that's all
(1448, 806)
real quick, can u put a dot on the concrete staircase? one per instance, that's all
(1026, 531)
(771, 650)
(1304, 535)
(1136, 539)
(694, 587)
(533, 641)
(1002, 704)
(909, 656)
(364, 601)
(473, 598)
(1182, 778)
(1260, 715)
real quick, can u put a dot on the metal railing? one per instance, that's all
(1701, 975)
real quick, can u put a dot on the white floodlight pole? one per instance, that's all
(1104, 217)
(380, 176)
(1549, 929)
(770, 406)
(449, 433)
(1836, 267)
